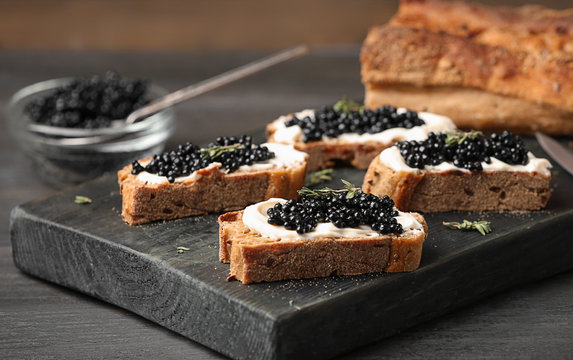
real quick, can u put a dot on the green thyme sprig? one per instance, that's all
(482, 226)
(216, 151)
(347, 106)
(319, 176)
(349, 189)
(182, 249)
(458, 137)
(82, 200)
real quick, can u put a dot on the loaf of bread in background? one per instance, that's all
(486, 68)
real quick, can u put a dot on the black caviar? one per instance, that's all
(332, 123)
(230, 151)
(362, 209)
(464, 150)
(89, 102)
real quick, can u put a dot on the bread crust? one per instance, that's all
(533, 28)
(429, 191)
(214, 191)
(403, 55)
(254, 258)
(473, 108)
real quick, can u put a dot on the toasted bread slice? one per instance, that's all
(436, 191)
(208, 190)
(256, 258)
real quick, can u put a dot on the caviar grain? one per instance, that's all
(327, 121)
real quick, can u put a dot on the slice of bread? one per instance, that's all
(357, 151)
(437, 191)
(208, 190)
(256, 258)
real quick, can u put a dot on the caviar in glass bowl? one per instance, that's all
(68, 147)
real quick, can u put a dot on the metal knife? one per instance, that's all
(561, 154)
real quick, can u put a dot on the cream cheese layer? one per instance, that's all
(391, 158)
(285, 156)
(255, 218)
(433, 123)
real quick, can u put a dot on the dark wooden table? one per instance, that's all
(39, 320)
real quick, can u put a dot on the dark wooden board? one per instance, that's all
(88, 248)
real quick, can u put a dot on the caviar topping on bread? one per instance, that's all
(226, 175)
(461, 171)
(320, 235)
(349, 133)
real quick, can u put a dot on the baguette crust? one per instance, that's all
(254, 258)
(429, 191)
(533, 28)
(402, 55)
(214, 191)
(474, 109)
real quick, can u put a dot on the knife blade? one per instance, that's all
(561, 154)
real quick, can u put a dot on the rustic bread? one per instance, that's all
(325, 154)
(254, 258)
(533, 28)
(211, 190)
(514, 59)
(436, 191)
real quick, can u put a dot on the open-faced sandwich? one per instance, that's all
(229, 174)
(461, 171)
(326, 232)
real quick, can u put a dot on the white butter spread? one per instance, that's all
(285, 156)
(391, 157)
(433, 123)
(255, 218)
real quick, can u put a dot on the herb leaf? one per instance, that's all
(82, 200)
(458, 137)
(319, 176)
(182, 249)
(483, 226)
(347, 106)
(349, 189)
(216, 151)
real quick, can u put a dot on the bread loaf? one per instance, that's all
(515, 65)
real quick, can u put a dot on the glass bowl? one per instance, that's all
(67, 156)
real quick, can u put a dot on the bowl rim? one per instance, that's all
(63, 132)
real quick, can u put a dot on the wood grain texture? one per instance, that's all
(45, 321)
